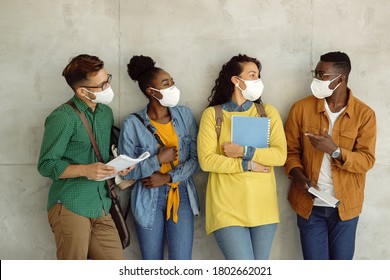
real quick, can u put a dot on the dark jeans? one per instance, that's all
(325, 237)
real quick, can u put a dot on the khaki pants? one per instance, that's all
(78, 237)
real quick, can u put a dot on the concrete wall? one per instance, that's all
(191, 40)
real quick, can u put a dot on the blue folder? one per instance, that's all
(250, 131)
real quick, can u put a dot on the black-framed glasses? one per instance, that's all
(320, 74)
(103, 85)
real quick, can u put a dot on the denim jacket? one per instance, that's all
(136, 139)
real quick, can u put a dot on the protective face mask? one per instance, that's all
(103, 97)
(254, 89)
(171, 96)
(320, 89)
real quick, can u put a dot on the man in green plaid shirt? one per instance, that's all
(78, 205)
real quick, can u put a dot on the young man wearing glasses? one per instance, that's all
(331, 139)
(78, 206)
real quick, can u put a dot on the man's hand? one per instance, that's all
(322, 142)
(157, 179)
(301, 180)
(232, 150)
(98, 170)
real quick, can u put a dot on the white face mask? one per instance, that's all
(254, 89)
(320, 89)
(103, 97)
(171, 96)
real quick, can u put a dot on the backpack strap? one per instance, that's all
(260, 110)
(218, 119)
(219, 116)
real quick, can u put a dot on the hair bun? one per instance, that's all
(138, 65)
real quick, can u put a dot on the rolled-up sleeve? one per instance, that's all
(55, 141)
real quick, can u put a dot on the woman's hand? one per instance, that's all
(232, 150)
(127, 170)
(157, 179)
(167, 155)
(257, 167)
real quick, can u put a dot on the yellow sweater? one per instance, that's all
(235, 197)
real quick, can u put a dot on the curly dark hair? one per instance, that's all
(223, 89)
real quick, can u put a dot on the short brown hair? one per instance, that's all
(80, 68)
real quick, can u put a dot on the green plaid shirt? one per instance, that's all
(65, 142)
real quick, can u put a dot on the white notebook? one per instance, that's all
(331, 200)
(123, 162)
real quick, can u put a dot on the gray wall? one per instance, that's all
(191, 40)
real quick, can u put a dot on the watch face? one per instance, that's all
(335, 154)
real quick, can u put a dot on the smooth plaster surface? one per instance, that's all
(191, 40)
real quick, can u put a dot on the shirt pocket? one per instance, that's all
(185, 147)
(347, 139)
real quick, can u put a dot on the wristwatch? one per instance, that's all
(336, 153)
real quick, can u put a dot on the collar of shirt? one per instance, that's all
(231, 106)
(349, 110)
(172, 110)
(82, 106)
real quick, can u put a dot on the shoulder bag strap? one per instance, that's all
(88, 128)
(156, 136)
(218, 119)
(150, 129)
(110, 182)
(260, 110)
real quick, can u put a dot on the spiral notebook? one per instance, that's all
(250, 131)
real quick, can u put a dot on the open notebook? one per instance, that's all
(250, 131)
(122, 162)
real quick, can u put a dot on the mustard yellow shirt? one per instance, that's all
(169, 137)
(235, 197)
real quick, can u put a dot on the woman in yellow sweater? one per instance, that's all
(241, 200)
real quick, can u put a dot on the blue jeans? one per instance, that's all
(246, 243)
(325, 237)
(179, 235)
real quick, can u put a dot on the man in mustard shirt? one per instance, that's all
(331, 140)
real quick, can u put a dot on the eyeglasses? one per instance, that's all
(320, 75)
(103, 85)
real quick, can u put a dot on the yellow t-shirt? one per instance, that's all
(169, 137)
(235, 197)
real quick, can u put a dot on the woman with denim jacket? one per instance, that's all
(241, 199)
(164, 199)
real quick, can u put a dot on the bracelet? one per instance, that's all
(245, 150)
(252, 165)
